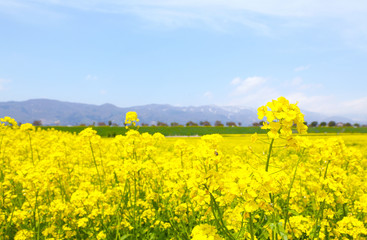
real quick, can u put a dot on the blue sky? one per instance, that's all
(223, 52)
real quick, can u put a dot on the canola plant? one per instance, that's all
(57, 185)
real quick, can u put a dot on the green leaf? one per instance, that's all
(279, 229)
(125, 236)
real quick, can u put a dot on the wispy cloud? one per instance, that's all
(252, 91)
(356, 106)
(347, 17)
(298, 84)
(208, 95)
(243, 86)
(189, 16)
(330, 105)
(302, 68)
(255, 98)
(91, 77)
(10, 3)
(296, 8)
(314, 103)
(257, 91)
(31, 11)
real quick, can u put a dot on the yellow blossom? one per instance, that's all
(131, 118)
(205, 232)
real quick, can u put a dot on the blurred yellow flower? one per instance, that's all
(131, 117)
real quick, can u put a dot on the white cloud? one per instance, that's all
(10, 3)
(91, 77)
(255, 98)
(298, 84)
(236, 81)
(244, 86)
(297, 8)
(314, 103)
(349, 18)
(251, 93)
(331, 105)
(356, 106)
(103, 92)
(302, 68)
(215, 18)
(208, 95)
(31, 11)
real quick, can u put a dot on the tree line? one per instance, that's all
(216, 124)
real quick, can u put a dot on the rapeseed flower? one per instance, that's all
(27, 127)
(205, 232)
(280, 118)
(131, 118)
(352, 227)
(101, 235)
(10, 121)
(24, 234)
(79, 186)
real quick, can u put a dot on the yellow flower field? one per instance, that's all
(230, 141)
(57, 185)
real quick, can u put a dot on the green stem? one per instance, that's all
(266, 169)
(252, 227)
(218, 219)
(35, 222)
(327, 166)
(30, 144)
(269, 153)
(289, 194)
(316, 228)
(321, 211)
(95, 164)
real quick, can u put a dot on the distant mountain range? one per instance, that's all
(53, 112)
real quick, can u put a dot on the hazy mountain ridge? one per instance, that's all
(54, 112)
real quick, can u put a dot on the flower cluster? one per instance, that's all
(205, 232)
(131, 118)
(8, 121)
(281, 116)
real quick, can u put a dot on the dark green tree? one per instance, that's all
(101, 124)
(37, 123)
(314, 124)
(191, 124)
(205, 123)
(161, 124)
(231, 124)
(218, 123)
